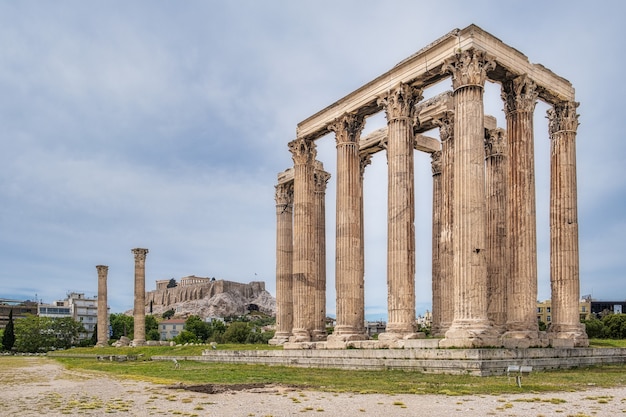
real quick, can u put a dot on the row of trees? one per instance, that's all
(41, 334)
(610, 326)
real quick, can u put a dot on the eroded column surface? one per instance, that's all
(436, 242)
(470, 326)
(304, 240)
(399, 104)
(349, 235)
(103, 311)
(443, 320)
(321, 178)
(284, 260)
(564, 257)
(497, 244)
(520, 97)
(139, 310)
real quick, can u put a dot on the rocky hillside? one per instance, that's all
(211, 299)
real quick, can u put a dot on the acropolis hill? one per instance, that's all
(208, 297)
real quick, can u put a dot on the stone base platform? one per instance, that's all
(479, 362)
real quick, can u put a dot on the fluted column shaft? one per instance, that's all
(349, 235)
(446, 278)
(564, 257)
(497, 245)
(321, 180)
(284, 261)
(103, 311)
(520, 96)
(437, 300)
(399, 105)
(304, 279)
(139, 310)
(470, 326)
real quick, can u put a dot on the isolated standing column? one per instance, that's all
(103, 328)
(139, 311)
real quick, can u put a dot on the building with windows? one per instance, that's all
(544, 310)
(82, 309)
(169, 329)
(600, 308)
(20, 310)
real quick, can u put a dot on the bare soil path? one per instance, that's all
(36, 386)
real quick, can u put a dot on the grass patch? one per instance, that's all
(338, 380)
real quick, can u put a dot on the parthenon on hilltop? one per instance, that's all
(484, 251)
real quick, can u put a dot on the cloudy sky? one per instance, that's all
(162, 125)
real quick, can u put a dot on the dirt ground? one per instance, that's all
(46, 388)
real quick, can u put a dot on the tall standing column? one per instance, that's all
(446, 284)
(321, 180)
(284, 260)
(520, 97)
(436, 241)
(103, 311)
(139, 311)
(497, 244)
(348, 268)
(564, 258)
(399, 108)
(304, 239)
(470, 327)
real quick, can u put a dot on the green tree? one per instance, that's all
(185, 337)
(152, 328)
(66, 331)
(199, 327)
(168, 314)
(237, 332)
(8, 336)
(122, 325)
(615, 325)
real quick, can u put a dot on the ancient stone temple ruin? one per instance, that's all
(484, 252)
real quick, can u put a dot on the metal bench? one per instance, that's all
(518, 372)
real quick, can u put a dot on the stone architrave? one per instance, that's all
(304, 262)
(470, 327)
(564, 258)
(399, 104)
(348, 267)
(436, 241)
(520, 97)
(497, 245)
(321, 178)
(103, 311)
(443, 319)
(284, 260)
(139, 311)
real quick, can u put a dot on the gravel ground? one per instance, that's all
(46, 388)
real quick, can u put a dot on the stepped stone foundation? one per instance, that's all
(484, 279)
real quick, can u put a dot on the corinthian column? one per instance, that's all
(321, 178)
(443, 320)
(436, 239)
(470, 327)
(139, 311)
(348, 268)
(564, 263)
(399, 105)
(520, 96)
(284, 260)
(497, 244)
(304, 239)
(103, 312)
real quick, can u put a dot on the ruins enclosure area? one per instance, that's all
(484, 251)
